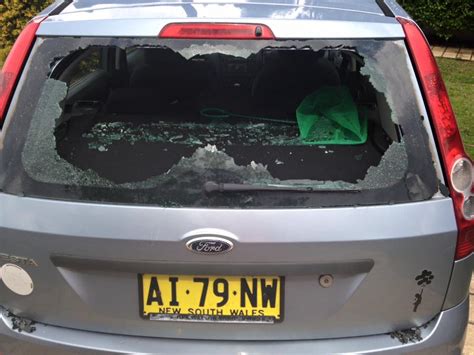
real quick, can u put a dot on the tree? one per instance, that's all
(445, 18)
(14, 14)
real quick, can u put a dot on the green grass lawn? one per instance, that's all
(459, 78)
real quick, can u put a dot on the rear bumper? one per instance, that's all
(444, 335)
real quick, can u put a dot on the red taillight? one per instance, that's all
(216, 31)
(458, 166)
(14, 63)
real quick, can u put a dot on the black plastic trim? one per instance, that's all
(350, 267)
(57, 10)
(387, 11)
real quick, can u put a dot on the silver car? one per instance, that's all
(230, 177)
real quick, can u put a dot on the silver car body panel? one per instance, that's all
(94, 252)
(191, 6)
(316, 19)
(281, 28)
(460, 282)
(444, 335)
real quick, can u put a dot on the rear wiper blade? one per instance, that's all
(212, 186)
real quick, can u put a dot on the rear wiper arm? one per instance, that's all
(212, 186)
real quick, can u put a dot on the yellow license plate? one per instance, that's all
(232, 299)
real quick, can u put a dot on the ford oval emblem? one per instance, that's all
(209, 245)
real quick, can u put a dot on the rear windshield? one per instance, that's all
(308, 123)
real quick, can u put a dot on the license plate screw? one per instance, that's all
(326, 281)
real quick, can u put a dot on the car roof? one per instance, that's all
(364, 6)
(361, 18)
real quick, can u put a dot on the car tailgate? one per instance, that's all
(87, 257)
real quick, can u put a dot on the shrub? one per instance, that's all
(445, 18)
(14, 14)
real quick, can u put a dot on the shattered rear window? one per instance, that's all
(310, 123)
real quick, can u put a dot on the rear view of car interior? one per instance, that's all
(147, 107)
